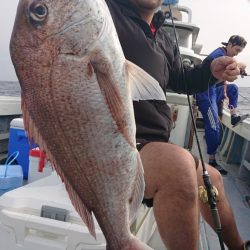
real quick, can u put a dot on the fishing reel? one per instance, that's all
(203, 196)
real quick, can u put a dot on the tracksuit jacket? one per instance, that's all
(209, 104)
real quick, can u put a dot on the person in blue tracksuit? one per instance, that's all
(210, 102)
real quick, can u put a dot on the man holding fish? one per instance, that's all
(76, 100)
(172, 175)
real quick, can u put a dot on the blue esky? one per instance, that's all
(217, 19)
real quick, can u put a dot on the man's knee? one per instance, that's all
(232, 89)
(169, 169)
(189, 193)
(183, 184)
(235, 87)
(166, 157)
(179, 193)
(215, 176)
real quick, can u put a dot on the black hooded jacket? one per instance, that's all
(157, 55)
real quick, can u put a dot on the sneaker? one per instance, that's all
(214, 164)
(247, 245)
(237, 119)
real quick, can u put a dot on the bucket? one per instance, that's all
(11, 176)
(39, 167)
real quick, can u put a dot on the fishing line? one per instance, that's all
(205, 175)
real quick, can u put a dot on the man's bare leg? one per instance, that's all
(229, 229)
(170, 177)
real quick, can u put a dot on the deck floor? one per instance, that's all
(236, 191)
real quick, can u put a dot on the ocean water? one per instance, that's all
(244, 99)
(10, 89)
(13, 89)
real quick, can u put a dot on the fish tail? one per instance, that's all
(34, 135)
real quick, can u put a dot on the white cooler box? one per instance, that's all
(22, 227)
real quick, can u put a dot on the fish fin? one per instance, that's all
(142, 85)
(34, 135)
(138, 192)
(115, 103)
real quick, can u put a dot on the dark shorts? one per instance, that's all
(140, 144)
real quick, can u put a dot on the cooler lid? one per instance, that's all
(17, 123)
(48, 191)
(28, 200)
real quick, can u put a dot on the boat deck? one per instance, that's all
(236, 190)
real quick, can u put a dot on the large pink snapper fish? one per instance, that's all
(77, 91)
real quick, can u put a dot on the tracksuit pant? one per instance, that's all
(209, 104)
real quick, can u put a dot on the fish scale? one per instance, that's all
(77, 105)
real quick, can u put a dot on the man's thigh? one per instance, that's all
(166, 165)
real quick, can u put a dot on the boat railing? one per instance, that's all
(177, 13)
(235, 145)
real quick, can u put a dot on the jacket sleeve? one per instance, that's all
(190, 80)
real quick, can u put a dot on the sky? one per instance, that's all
(217, 19)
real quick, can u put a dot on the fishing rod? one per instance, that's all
(211, 193)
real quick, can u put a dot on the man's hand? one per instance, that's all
(242, 66)
(225, 68)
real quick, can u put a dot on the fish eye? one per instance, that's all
(38, 12)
